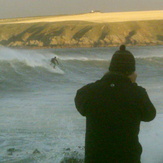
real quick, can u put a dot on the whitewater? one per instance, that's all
(38, 119)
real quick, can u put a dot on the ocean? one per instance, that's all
(38, 119)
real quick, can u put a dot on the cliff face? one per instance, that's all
(81, 34)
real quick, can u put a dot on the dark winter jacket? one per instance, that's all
(114, 108)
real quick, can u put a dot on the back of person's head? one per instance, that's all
(122, 62)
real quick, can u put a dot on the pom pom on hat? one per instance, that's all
(122, 47)
(122, 61)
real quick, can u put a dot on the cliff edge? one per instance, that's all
(84, 30)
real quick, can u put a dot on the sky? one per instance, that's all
(28, 8)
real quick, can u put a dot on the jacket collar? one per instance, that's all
(116, 77)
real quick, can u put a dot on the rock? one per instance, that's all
(36, 151)
(10, 151)
(72, 160)
(67, 149)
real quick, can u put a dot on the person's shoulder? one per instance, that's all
(139, 89)
(89, 86)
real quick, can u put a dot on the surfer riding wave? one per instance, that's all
(54, 62)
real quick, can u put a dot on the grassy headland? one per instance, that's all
(84, 30)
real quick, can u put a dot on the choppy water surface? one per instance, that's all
(38, 120)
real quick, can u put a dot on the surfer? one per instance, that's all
(54, 61)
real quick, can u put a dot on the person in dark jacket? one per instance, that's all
(54, 62)
(114, 106)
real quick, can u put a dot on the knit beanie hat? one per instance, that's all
(122, 61)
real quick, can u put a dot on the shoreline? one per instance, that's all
(76, 47)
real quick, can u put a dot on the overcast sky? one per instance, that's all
(25, 8)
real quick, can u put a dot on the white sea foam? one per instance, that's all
(29, 58)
